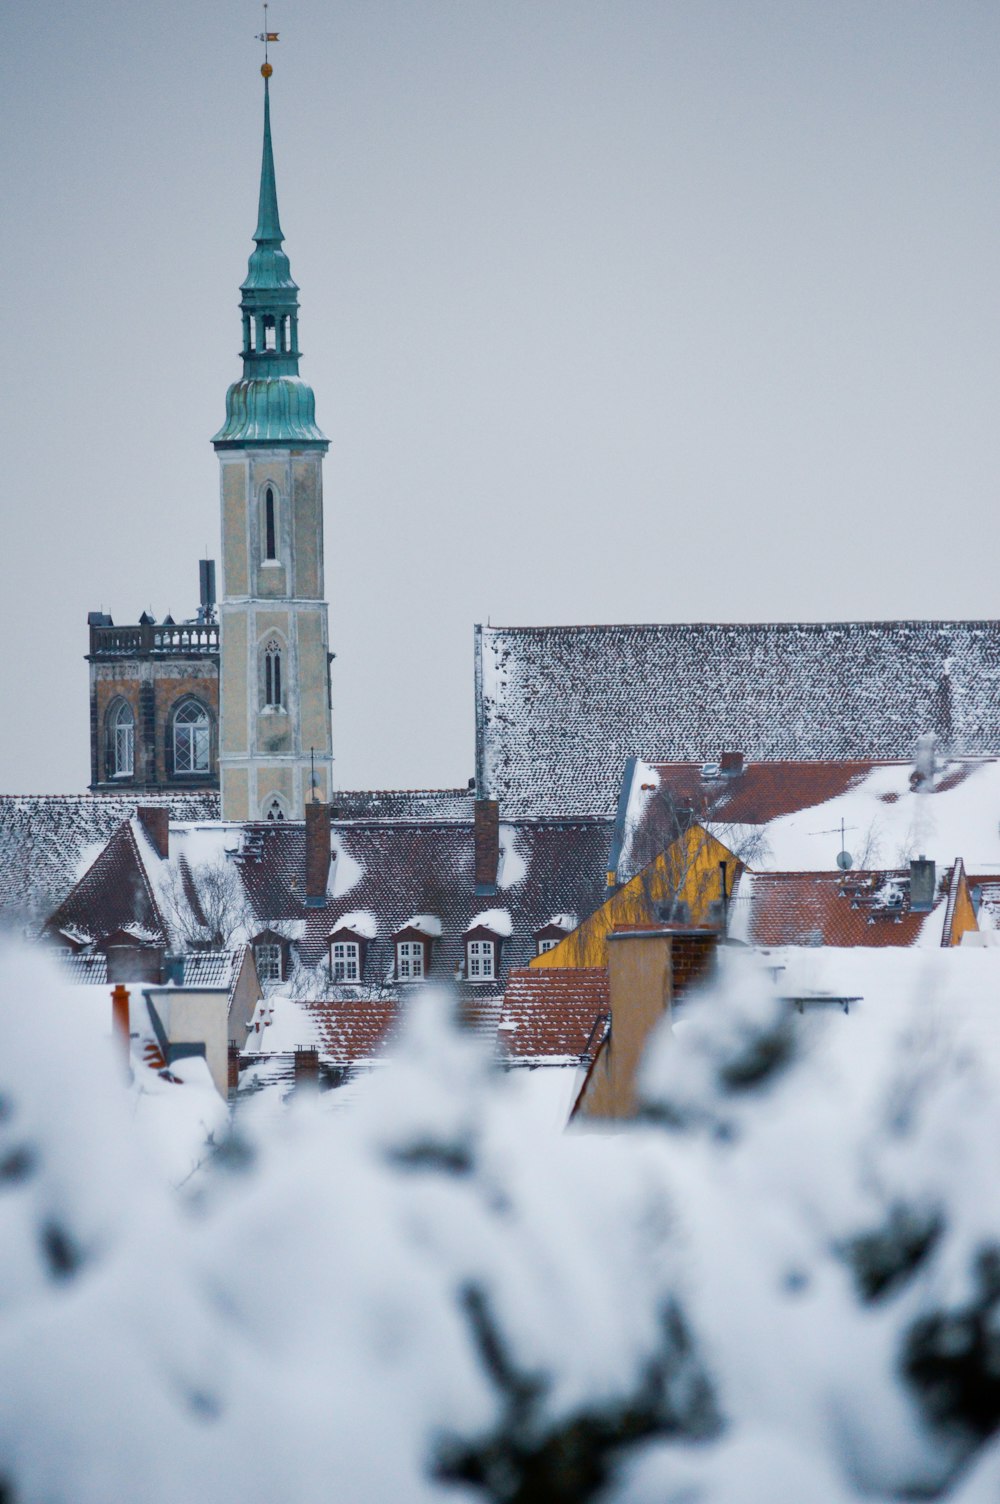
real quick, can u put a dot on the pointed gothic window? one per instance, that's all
(272, 674)
(275, 812)
(270, 531)
(192, 738)
(121, 740)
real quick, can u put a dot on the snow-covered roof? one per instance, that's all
(47, 841)
(560, 709)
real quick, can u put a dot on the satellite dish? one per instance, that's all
(845, 861)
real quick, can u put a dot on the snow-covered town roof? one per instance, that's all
(559, 709)
(384, 877)
(400, 872)
(554, 1014)
(403, 804)
(787, 816)
(839, 909)
(47, 841)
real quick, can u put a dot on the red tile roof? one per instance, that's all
(821, 908)
(763, 790)
(554, 1013)
(352, 1030)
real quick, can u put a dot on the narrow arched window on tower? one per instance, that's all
(270, 531)
(272, 674)
(268, 331)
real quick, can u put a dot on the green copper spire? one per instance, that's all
(271, 404)
(268, 223)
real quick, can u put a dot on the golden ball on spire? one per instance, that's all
(266, 70)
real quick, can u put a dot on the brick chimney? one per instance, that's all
(486, 840)
(120, 1019)
(649, 970)
(731, 764)
(306, 1065)
(317, 853)
(233, 1068)
(155, 821)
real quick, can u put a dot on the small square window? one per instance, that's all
(544, 945)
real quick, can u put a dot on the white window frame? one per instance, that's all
(410, 960)
(345, 960)
(480, 960)
(192, 725)
(268, 960)
(544, 945)
(121, 741)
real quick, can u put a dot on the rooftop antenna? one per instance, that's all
(266, 36)
(845, 860)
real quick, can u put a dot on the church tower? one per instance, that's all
(275, 752)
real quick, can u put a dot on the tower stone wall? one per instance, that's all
(275, 749)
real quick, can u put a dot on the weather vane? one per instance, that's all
(266, 36)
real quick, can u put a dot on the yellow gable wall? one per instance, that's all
(964, 917)
(689, 870)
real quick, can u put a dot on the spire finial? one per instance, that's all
(266, 36)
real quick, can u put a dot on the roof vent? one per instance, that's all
(711, 770)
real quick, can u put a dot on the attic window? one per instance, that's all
(544, 945)
(480, 957)
(345, 961)
(268, 958)
(410, 960)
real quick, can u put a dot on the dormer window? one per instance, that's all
(481, 964)
(552, 934)
(482, 941)
(410, 960)
(270, 954)
(268, 959)
(345, 961)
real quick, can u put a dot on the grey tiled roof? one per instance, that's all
(427, 867)
(559, 709)
(45, 838)
(403, 804)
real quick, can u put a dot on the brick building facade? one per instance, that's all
(154, 705)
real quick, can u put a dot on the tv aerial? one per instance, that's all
(845, 860)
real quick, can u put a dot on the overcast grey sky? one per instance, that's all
(631, 311)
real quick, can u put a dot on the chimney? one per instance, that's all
(306, 1065)
(486, 841)
(923, 885)
(155, 821)
(649, 971)
(233, 1068)
(119, 1018)
(317, 854)
(731, 764)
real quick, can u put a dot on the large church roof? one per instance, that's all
(559, 709)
